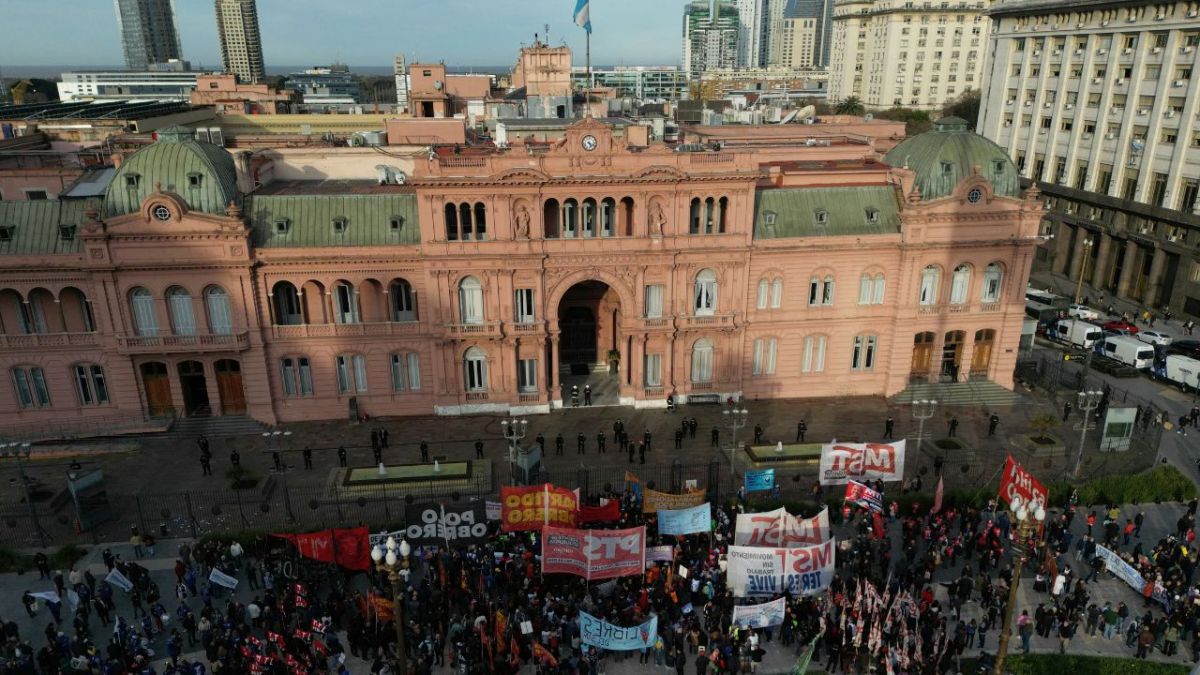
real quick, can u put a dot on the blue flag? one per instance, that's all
(583, 15)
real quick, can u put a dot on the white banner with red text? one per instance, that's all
(841, 462)
(801, 570)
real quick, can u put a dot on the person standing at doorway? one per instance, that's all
(587, 394)
(478, 449)
(308, 457)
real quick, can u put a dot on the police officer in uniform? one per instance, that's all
(342, 455)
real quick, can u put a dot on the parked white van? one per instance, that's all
(1077, 332)
(1180, 369)
(1128, 350)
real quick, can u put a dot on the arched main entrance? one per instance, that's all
(589, 316)
(195, 389)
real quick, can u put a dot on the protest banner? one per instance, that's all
(655, 501)
(493, 510)
(442, 525)
(594, 554)
(660, 554)
(801, 570)
(1121, 569)
(1016, 481)
(535, 506)
(608, 512)
(119, 580)
(685, 521)
(602, 634)
(857, 493)
(762, 615)
(348, 547)
(841, 462)
(780, 529)
(762, 479)
(221, 579)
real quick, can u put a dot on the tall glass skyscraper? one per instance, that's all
(148, 33)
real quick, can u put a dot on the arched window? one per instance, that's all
(763, 362)
(929, 285)
(286, 299)
(351, 373)
(183, 317)
(30, 385)
(145, 322)
(694, 216)
(404, 301)
(959, 284)
(702, 361)
(776, 293)
(345, 303)
(993, 278)
(220, 318)
(470, 300)
(297, 376)
(551, 217)
(863, 356)
(480, 221)
(705, 303)
(764, 289)
(864, 289)
(33, 313)
(475, 370)
(710, 215)
(90, 384)
(722, 209)
(451, 222)
(813, 358)
(878, 291)
(589, 218)
(570, 219)
(406, 372)
(820, 290)
(464, 222)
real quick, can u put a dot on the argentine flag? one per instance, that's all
(583, 16)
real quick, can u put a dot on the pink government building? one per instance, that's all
(491, 280)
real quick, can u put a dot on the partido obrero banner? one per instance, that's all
(655, 501)
(780, 529)
(686, 521)
(536, 506)
(602, 634)
(802, 570)
(762, 615)
(841, 462)
(442, 525)
(594, 554)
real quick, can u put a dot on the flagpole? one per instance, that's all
(588, 49)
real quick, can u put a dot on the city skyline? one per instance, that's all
(302, 32)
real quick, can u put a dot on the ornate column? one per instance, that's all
(1157, 267)
(1103, 262)
(554, 392)
(1078, 253)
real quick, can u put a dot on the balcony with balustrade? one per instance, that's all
(367, 329)
(182, 344)
(49, 340)
(707, 322)
(488, 330)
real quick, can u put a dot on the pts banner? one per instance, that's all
(594, 554)
(841, 462)
(781, 529)
(803, 570)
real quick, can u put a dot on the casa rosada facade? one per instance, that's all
(492, 280)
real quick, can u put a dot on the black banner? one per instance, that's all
(446, 524)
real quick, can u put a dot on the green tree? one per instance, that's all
(965, 106)
(850, 106)
(915, 121)
(1042, 424)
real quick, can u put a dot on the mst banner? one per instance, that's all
(602, 634)
(535, 506)
(841, 462)
(1017, 481)
(780, 529)
(803, 570)
(594, 554)
(446, 525)
(655, 501)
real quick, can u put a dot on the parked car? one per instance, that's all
(1083, 312)
(1122, 327)
(1154, 337)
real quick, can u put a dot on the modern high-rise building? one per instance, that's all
(241, 43)
(148, 32)
(807, 28)
(914, 54)
(710, 36)
(1097, 102)
(754, 32)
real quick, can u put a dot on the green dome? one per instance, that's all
(942, 158)
(202, 174)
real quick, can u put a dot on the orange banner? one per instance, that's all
(534, 507)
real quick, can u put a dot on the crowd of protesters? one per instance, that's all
(913, 592)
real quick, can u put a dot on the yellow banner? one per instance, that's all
(654, 501)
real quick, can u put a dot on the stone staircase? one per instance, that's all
(976, 393)
(187, 429)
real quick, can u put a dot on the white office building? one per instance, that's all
(125, 84)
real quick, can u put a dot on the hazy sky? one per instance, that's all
(358, 32)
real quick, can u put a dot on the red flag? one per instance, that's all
(877, 524)
(315, 545)
(353, 549)
(937, 496)
(609, 513)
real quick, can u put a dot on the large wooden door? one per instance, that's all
(158, 389)
(982, 357)
(922, 358)
(229, 386)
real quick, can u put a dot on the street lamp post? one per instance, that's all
(921, 411)
(1086, 402)
(396, 569)
(1086, 250)
(514, 430)
(1029, 519)
(737, 419)
(18, 451)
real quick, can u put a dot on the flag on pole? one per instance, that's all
(802, 663)
(583, 15)
(937, 496)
